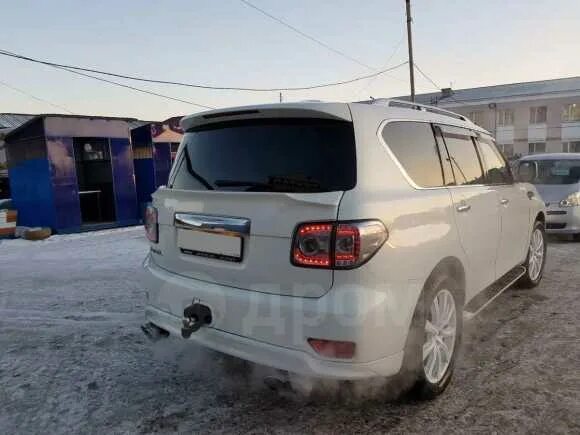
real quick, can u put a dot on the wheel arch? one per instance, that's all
(450, 266)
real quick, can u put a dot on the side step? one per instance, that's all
(487, 296)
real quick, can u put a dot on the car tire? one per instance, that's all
(415, 377)
(576, 237)
(536, 258)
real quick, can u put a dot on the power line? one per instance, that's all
(427, 77)
(201, 86)
(395, 51)
(306, 35)
(34, 97)
(144, 91)
(433, 83)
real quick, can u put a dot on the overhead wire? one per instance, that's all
(144, 91)
(395, 51)
(34, 97)
(306, 35)
(202, 86)
(433, 82)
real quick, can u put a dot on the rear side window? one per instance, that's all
(463, 156)
(269, 155)
(496, 168)
(414, 146)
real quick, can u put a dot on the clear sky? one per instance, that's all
(465, 43)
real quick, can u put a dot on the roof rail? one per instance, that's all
(416, 106)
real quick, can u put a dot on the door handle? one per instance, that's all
(504, 201)
(463, 208)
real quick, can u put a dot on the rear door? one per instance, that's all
(239, 189)
(476, 207)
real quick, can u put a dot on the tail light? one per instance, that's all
(337, 245)
(151, 224)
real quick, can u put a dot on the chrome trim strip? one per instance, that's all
(225, 225)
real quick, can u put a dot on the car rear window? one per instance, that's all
(268, 155)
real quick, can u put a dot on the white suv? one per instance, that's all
(337, 240)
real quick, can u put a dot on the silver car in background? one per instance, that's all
(557, 179)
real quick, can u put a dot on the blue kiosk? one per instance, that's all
(154, 148)
(72, 173)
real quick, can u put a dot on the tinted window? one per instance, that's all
(269, 155)
(463, 156)
(414, 146)
(496, 169)
(550, 171)
(445, 161)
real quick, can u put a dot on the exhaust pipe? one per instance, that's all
(154, 332)
(289, 383)
(278, 384)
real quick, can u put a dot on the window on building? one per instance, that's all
(538, 115)
(496, 168)
(505, 117)
(463, 155)
(414, 146)
(476, 117)
(537, 147)
(506, 149)
(571, 112)
(571, 147)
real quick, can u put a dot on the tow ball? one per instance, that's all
(194, 317)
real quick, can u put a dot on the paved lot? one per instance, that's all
(72, 358)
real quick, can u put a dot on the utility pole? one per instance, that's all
(280, 96)
(410, 44)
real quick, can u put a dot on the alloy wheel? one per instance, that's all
(536, 255)
(440, 334)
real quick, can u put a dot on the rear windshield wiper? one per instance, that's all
(282, 184)
(195, 174)
(239, 183)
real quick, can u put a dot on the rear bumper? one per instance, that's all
(563, 220)
(278, 357)
(272, 330)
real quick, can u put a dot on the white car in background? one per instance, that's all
(557, 178)
(336, 240)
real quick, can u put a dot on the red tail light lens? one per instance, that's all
(346, 246)
(151, 224)
(332, 349)
(312, 245)
(337, 245)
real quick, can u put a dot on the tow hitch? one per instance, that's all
(194, 317)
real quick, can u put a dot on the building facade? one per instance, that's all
(525, 118)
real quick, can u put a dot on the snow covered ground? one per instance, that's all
(73, 360)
